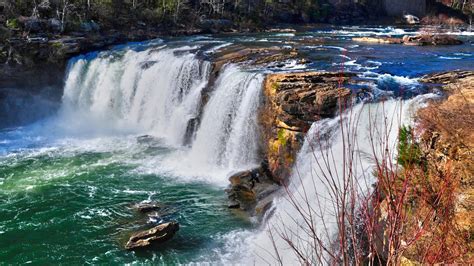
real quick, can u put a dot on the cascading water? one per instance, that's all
(227, 139)
(228, 136)
(158, 92)
(321, 157)
(154, 91)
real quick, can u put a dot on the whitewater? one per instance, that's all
(360, 134)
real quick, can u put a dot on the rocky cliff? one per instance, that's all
(292, 102)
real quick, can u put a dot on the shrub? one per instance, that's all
(409, 152)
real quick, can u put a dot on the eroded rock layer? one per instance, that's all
(293, 101)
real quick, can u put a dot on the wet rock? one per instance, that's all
(253, 56)
(145, 139)
(419, 40)
(430, 39)
(156, 235)
(248, 189)
(154, 217)
(147, 206)
(380, 40)
(233, 204)
(191, 128)
(445, 78)
(147, 64)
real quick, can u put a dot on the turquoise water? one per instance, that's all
(72, 204)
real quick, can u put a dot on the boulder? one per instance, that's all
(430, 39)
(156, 235)
(251, 190)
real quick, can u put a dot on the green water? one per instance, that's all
(73, 206)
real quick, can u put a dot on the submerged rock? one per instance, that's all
(145, 207)
(155, 235)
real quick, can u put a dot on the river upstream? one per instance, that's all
(121, 136)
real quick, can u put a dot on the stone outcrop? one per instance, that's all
(293, 101)
(452, 139)
(156, 235)
(418, 40)
(430, 39)
(252, 191)
(378, 40)
(252, 56)
(446, 78)
(441, 195)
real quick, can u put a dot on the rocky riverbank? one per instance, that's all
(437, 168)
(293, 101)
(418, 40)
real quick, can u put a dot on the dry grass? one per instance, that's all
(421, 212)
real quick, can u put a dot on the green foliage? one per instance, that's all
(282, 137)
(12, 23)
(409, 152)
(57, 45)
(126, 13)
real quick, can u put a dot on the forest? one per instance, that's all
(70, 14)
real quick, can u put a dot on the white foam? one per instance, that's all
(308, 182)
(449, 58)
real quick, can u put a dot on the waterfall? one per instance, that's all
(159, 92)
(228, 135)
(153, 92)
(322, 155)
